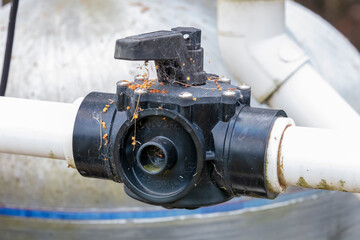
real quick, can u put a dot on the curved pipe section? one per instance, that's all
(259, 52)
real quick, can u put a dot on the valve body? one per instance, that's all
(172, 141)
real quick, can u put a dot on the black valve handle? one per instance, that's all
(178, 54)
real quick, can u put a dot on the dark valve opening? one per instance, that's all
(156, 156)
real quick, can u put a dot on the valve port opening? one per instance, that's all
(152, 159)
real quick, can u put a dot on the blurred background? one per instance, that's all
(344, 15)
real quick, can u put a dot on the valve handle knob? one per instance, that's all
(178, 54)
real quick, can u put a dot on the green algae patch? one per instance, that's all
(303, 183)
(51, 155)
(152, 168)
(324, 185)
(342, 183)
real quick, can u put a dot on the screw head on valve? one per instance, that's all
(224, 80)
(244, 87)
(228, 93)
(139, 91)
(185, 95)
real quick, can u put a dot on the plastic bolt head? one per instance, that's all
(228, 93)
(185, 95)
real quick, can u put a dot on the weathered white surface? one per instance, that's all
(255, 46)
(321, 158)
(63, 50)
(38, 128)
(272, 154)
(312, 102)
(331, 54)
(312, 158)
(261, 52)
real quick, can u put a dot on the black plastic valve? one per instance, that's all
(177, 53)
(186, 140)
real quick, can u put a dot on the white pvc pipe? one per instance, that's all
(259, 52)
(37, 128)
(272, 167)
(312, 102)
(313, 158)
(250, 36)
